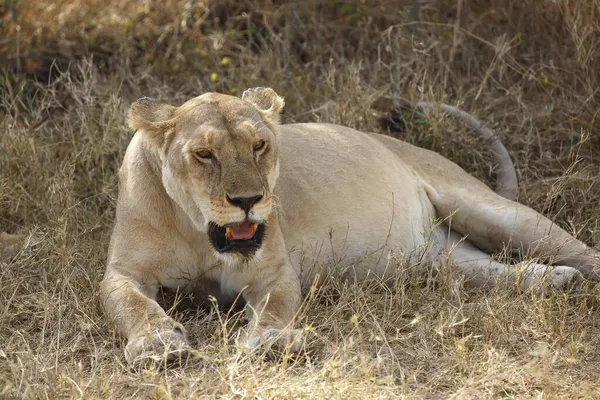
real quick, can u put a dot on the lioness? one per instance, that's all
(215, 193)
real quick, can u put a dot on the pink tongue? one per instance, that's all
(243, 231)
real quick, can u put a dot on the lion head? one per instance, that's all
(219, 158)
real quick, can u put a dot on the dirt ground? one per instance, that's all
(69, 71)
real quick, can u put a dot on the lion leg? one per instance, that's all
(272, 303)
(480, 270)
(273, 297)
(151, 334)
(493, 222)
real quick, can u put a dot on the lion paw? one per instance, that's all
(273, 339)
(158, 347)
(566, 277)
(558, 277)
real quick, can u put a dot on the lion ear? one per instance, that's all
(268, 103)
(152, 117)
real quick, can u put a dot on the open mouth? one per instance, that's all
(245, 238)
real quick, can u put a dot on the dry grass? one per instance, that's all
(69, 71)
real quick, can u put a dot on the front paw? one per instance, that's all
(280, 340)
(160, 346)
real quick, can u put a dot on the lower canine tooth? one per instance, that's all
(228, 233)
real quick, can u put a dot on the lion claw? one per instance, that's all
(273, 339)
(160, 347)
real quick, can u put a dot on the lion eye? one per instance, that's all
(259, 146)
(204, 155)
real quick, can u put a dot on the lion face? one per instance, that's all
(219, 161)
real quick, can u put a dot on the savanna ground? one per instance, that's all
(70, 69)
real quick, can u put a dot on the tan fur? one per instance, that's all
(332, 196)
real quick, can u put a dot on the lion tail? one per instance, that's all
(507, 184)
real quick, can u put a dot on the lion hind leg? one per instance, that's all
(480, 270)
(493, 223)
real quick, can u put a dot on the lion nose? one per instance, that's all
(245, 203)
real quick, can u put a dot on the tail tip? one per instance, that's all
(395, 120)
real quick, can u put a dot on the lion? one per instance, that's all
(218, 194)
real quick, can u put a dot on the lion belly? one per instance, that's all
(349, 203)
